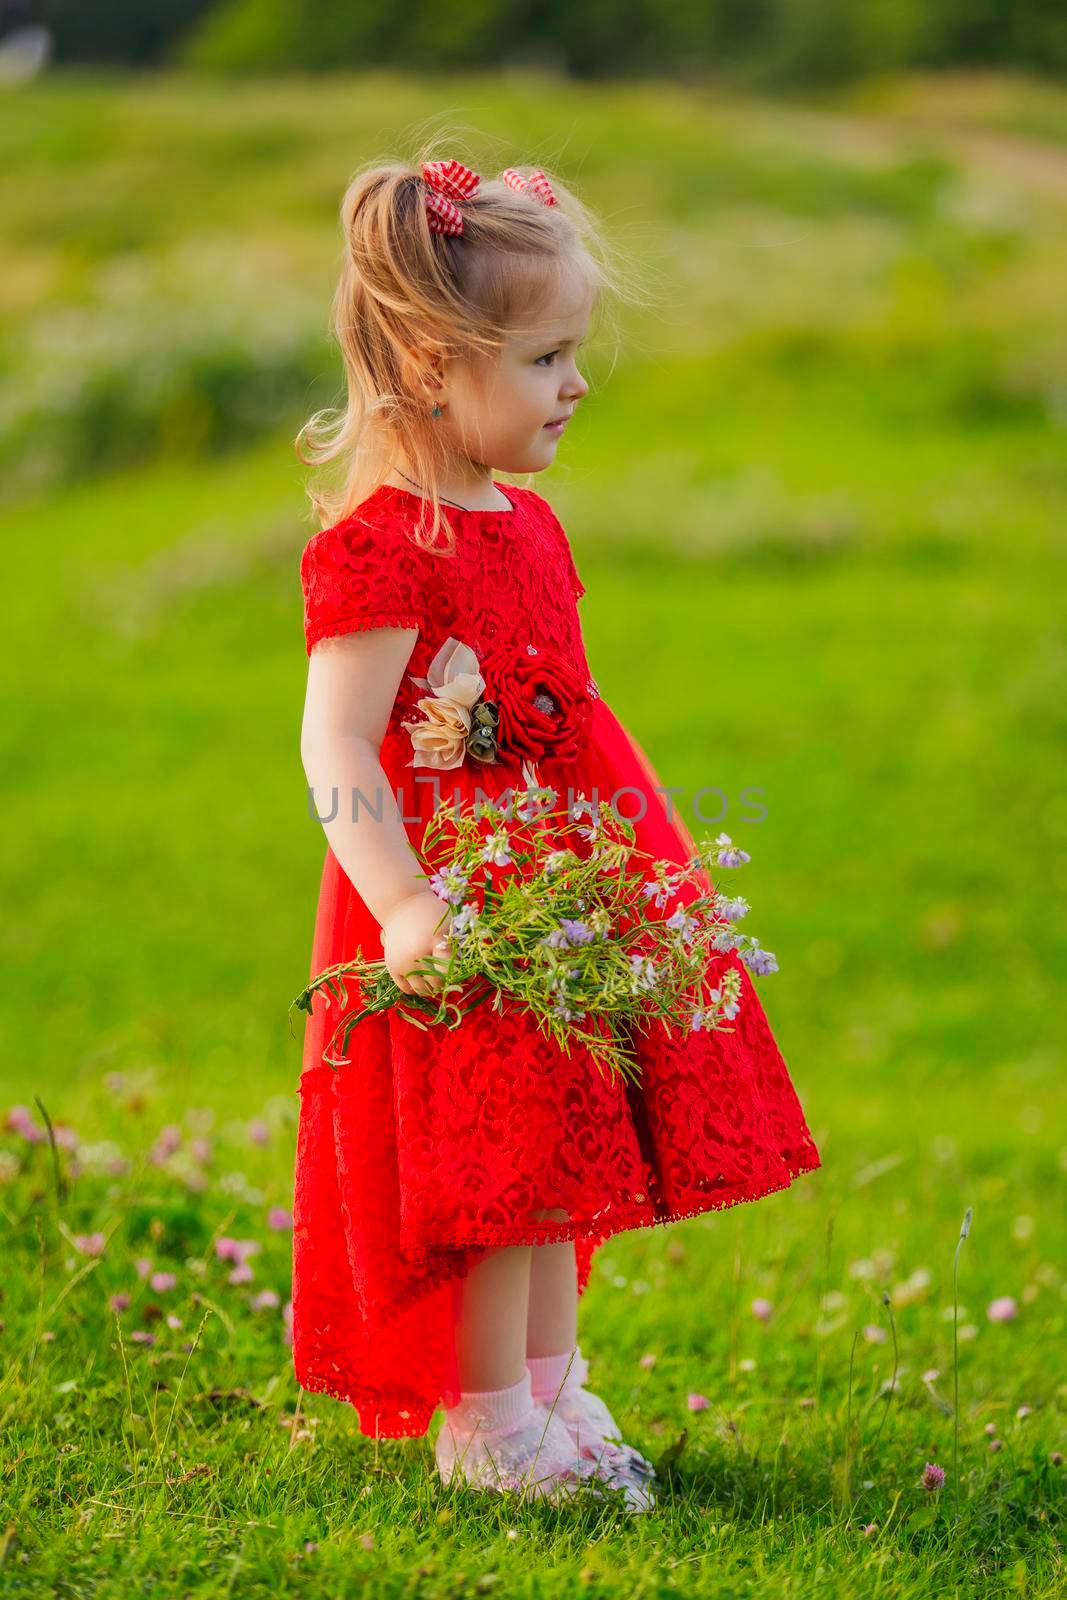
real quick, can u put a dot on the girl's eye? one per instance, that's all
(553, 353)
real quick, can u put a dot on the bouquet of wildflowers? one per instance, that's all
(560, 914)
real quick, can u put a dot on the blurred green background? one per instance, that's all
(821, 481)
(817, 494)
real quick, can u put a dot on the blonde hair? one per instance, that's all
(405, 289)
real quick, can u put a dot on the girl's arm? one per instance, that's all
(352, 685)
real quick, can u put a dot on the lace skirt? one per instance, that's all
(434, 1146)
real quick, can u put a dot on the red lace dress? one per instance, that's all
(434, 1146)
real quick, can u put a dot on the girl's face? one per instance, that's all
(497, 411)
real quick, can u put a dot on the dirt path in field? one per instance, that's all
(942, 115)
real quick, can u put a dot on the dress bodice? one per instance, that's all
(511, 579)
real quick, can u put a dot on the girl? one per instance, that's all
(451, 1186)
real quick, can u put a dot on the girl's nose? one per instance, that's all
(578, 387)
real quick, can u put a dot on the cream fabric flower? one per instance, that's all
(457, 686)
(440, 741)
(453, 674)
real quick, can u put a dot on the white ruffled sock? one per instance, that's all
(548, 1373)
(493, 1412)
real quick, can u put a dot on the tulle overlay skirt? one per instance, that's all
(433, 1147)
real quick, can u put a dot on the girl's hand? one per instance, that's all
(417, 930)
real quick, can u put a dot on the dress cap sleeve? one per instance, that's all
(564, 543)
(362, 573)
(579, 586)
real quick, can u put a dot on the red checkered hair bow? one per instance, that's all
(536, 184)
(446, 182)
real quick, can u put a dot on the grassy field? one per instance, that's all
(823, 483)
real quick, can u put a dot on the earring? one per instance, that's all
(436, 409)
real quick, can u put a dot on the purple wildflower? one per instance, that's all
(265, 1300)
(287, 1322)
(90, 1244)
(577, 931)
(242, 1273)
(933, 1476)
(733, 909)
(728, 854)
(235, 1249)
(449, 885)
(279, 1219)
(462, 922)
(161, 1282)
(581, 807)
(258, 1131)
(682, 922)
(730, 1007)
(697, 1402)
(644, 973)
(1002, 1309)
(497, 850)
(566, 1012)
(20, 1121)
(139, 1336)
(119, 1302)
(168, 1140)
(757, 960)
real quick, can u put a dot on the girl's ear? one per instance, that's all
(422, 374)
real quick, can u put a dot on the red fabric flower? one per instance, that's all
(543, 708)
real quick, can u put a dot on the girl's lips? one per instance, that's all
(557, 427)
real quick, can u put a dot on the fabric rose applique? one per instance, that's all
(523, 703)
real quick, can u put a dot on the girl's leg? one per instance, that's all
(497, 1437)
(491, 1320)
(558, 1371)
(552, 1322)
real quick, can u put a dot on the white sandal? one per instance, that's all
(596, 1434)
(517, 1443)
(503, 1439)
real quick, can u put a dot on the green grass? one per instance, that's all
(818, 505)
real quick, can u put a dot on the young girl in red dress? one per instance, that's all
(452, 1185)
